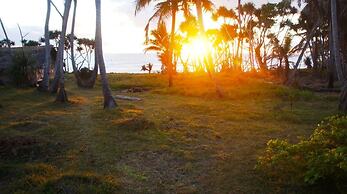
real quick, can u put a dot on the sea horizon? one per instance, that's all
(130, 62)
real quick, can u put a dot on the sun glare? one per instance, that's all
(197, 48)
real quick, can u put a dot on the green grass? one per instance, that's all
(177, 140)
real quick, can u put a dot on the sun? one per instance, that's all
(197, 48)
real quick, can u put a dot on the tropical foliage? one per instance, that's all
(320, 159)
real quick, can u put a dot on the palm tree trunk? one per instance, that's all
(286, 68)
(91, 81)
(173, 28)
(238, 50)
(199, 13)
(331, 66)
(337, 56)
(44, 86)
(59, 74)
(60, 55)
(7, 40)
(109, 101)
(309, 36)
(208, 60)
(72, 48)
(336, 43)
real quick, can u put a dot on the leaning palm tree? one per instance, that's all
(8, 42)
(162, 10)
(44, 85)
(59, 73)
(109, 101)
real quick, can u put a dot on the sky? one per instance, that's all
(122, 31)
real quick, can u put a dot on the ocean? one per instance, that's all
(130, 63)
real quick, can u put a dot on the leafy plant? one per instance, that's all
(320, 159)
(23, 69)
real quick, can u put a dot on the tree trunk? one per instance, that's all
(335, 38)
(7, 40)
(258, 57)
(44, 85)
(109, 101)
(199, 13)
(72, 47)
(331, 66)
(309, 36)
(60, 82)
(173, 27)
(60, 55)
(315, 54)
(208, 57)
(286, 69)
(337, 56)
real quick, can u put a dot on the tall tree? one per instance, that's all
(59, 71)
(109, 101)
(163, 9)
(160, 43)
(44, 86)
(89, 83)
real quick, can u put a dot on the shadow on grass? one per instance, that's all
(45, 178)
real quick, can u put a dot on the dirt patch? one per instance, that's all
(134, 124)
(78, 100)
(135, 90)
(26, 148)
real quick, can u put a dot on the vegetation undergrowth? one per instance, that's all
(319, 160)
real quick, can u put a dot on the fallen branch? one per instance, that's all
(129, 98)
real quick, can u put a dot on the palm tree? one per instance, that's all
(44, 86)
(59, 73)
(163, 9)
(201, 5)
(160, 43)
(282, 52)
(109, 101)
(207, 5)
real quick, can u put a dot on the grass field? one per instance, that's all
(176, 140)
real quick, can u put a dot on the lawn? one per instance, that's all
(183, 139)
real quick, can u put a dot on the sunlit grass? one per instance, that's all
(185, 135)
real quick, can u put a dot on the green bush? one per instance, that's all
(320, 159)
(23, 70)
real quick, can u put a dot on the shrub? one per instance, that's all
(23, 70)
(85, 73)
(319, 160)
